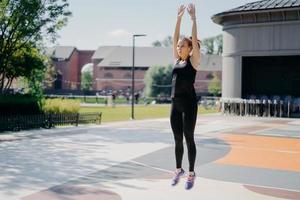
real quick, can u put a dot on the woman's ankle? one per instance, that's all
(192, 173)
(179, 170)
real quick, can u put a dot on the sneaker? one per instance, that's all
(177, 176)
(190, 181)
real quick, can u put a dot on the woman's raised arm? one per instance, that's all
(177, 30)
(195, 57)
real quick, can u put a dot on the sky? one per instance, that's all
(97, 23)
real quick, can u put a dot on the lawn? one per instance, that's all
(101, 100)
(121, 113)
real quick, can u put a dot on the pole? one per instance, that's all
(132, 88)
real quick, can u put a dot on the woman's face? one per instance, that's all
(183, 49)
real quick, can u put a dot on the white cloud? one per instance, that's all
(119, 33)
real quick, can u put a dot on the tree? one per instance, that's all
(50, 74)
(211, 45)
(208, 45)
(28, 63)
(166, 42)
(158, 81)
(24, 27)
(219, 44)
(214, 86)
(156, 43)
(86, 81)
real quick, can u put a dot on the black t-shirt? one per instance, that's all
(183, 79)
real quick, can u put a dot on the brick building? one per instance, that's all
(68, 62)
(113, 65)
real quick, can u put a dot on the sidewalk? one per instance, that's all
(237, 159)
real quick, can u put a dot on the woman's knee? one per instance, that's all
(179, 141)
(190, 141)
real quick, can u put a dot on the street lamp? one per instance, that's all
(132, 69)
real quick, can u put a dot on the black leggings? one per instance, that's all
(183, 120)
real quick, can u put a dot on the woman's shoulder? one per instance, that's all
(176, 61)
(194, 66)
(180, 63)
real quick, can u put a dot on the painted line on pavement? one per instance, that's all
(255, 185)
(149, 166)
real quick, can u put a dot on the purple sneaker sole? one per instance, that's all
(190, 182)
(176, 178)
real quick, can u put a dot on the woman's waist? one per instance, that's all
(188, 93)
(184, 86)
(180, 98)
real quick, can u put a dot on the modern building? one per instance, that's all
(261, 49)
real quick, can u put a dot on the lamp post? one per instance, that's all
(132, 69)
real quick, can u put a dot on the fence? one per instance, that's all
(259, 108)
(22, 122)
(210, 102)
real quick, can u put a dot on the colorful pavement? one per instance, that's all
(238, 158)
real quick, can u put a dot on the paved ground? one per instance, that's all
(237, 159)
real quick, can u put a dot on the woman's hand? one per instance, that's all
(191, 10)
(180, 11)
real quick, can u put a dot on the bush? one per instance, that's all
(158, 80)
(60, 106)
(19, 104)
(214, 86)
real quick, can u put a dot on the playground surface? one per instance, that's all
(238, 158)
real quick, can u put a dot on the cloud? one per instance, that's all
(119, 33)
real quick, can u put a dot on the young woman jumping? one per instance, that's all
(184, 107)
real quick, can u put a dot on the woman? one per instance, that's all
(184, 102)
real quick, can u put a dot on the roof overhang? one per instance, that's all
(218, 17)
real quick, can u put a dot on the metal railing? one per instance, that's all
(12, 122)
(256, 107)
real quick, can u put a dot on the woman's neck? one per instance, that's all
(184, 59)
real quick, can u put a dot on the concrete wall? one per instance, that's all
(263, 39)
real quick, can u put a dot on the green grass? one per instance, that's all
(102, 100)
(122, 113)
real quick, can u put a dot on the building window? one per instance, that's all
(127, 76)
(209, 76)
(108, 75)
(58, 81)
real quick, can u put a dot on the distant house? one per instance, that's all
(112, 67)
(68, 62)
(113, 71)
